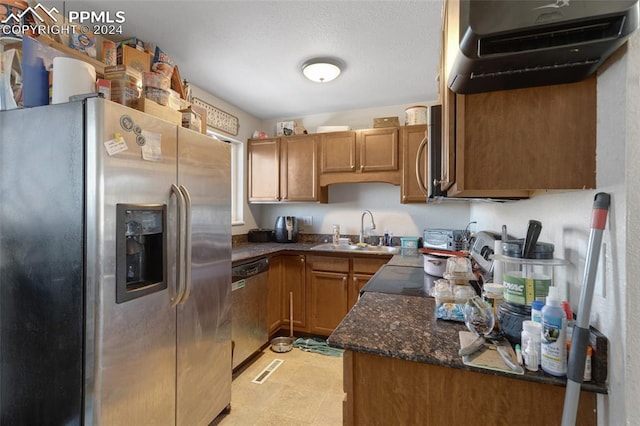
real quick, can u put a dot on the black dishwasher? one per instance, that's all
(249, 326)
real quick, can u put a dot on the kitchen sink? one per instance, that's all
(356, 248)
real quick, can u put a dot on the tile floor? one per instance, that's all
(306, 389)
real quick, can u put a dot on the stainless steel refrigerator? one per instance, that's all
(115, 263)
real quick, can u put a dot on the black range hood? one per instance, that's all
(507, 44)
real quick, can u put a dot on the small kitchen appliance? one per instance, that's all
(444, 239)
(260, 235)
(286, 229)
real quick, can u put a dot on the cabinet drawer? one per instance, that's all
(367, 266)
(329, 263)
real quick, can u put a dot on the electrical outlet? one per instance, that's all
(306, 222)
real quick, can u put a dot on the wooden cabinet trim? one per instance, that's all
(329, 263)
(368, 265)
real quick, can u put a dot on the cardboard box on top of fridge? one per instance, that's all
(285, 128)
(150, 107)
(134, 58)
(191, 119)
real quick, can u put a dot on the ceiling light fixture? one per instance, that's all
(321, 70)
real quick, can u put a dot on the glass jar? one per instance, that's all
(336, 235)
(493, 294)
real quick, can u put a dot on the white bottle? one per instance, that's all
(530, 337)
(554, 336)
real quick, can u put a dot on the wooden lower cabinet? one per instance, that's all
(334, 283)
(362, 270)
(328, 301)
(293, 280)
(358, 281)
(328, 278)
(324, 289)
(389, 391)
(274, 297)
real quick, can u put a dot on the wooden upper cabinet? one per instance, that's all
(264, 170)
(299, 168)
(371, 155)
(378, 149)
(338, 152)
(526, 139)
(410, 190)
(284, 169)
(510, 143)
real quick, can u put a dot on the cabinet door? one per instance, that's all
(539, 138)
(328, 301)
(410, 189)
(450, 25)
(299, 168)
(293, 281)
(338, 152)
(378, 149)
(274, 298)
(264, 170)
(357, 283)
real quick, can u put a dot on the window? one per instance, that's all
(237, 172)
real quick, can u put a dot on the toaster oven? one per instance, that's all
(445, 239)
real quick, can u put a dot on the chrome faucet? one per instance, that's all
(373, 224)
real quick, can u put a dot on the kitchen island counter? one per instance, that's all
(397, 341)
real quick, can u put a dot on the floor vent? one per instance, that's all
(264, 374)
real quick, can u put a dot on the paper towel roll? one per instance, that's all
(497, 265)
(71, 77)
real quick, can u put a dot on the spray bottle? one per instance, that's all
(554, 335)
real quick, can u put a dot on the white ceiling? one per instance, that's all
(250, 53)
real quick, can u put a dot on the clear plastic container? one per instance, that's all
(526, 280)
(157, 95)
(459, 269)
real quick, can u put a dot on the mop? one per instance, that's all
(580, 336)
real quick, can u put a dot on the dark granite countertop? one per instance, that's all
(406, 327)
(250, 251)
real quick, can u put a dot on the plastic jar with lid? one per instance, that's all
(527, 279)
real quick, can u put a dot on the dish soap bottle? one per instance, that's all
(554, 336)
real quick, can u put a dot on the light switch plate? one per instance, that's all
(306, 222)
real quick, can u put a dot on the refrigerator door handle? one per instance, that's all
(180, 281)
(187, 245)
